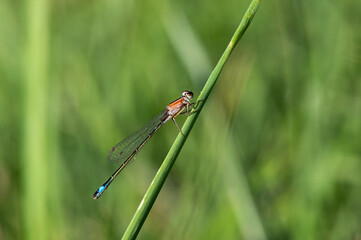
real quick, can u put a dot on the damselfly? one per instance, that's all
(128, 147)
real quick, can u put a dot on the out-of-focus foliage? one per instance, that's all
(275, 153)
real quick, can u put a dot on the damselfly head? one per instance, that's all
(187, 94)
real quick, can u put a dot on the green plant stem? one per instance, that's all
(159, 179)
(35, 122)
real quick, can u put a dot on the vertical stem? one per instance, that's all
(35, 121)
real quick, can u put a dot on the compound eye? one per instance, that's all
(190, 95)
(187, 94)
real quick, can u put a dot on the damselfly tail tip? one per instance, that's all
(96, 195)
(98, 192)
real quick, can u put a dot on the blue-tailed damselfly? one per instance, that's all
(128, 147)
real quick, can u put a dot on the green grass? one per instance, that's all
(35, 135)
(159, 179)
(274, 154)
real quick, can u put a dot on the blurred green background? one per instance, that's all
(275, 153)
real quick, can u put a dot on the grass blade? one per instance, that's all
(35, 122)
(159, 179)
